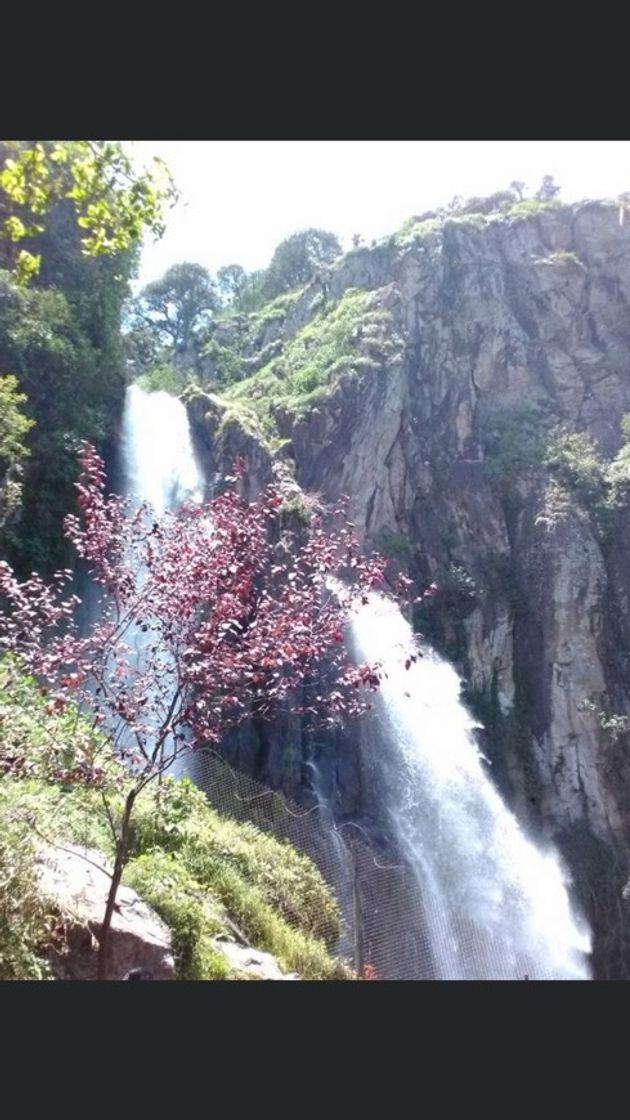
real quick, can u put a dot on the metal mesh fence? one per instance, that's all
(383, 920)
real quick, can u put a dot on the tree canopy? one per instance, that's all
(296, 259)
(178, 304)
(112, 203)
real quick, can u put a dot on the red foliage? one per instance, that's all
(209, 616)
(369, 972)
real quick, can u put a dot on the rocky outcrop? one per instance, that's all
(251, 964)
(523, 322)
(76, 881)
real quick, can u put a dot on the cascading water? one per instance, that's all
(496, 906)
(160, 468)
(158, 457)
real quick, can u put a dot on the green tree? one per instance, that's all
(178, 305)
(231, 280)
(14, 426)
(112, 203)
(296, 259)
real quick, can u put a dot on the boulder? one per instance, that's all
(252, 964)
(76, 881)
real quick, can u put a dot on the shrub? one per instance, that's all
(573, 458)
(25, 924)
(513, 443)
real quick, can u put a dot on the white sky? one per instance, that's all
(240, 198)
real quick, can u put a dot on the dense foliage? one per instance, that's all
(71, 214)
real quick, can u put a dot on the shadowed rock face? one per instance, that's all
(521, 317)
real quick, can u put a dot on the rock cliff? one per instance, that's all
(479, 343)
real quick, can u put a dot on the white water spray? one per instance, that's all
(158, 457)
(496, 906)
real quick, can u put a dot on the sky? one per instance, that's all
(240, 198)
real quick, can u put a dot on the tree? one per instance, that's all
(13, 428)
(296, 259)
(178, 305)
(518, 188)
(112, 203)
(143, 349)
(547, 190)
(71, 215)
(211, 614)
(231, 281)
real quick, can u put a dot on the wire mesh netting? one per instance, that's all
(382, 915)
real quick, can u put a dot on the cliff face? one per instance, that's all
(503, 329)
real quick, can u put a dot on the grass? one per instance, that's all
(202, 873)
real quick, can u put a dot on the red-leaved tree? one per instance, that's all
(210, 614)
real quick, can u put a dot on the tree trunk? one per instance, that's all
(119, 866)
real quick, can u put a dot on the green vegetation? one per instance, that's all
(25, 924)
(441, 619)
(476, 213)
(164, 378)
(63, 347)
(513, 442)
(14, 426)
(575, 462)
(530, 207)
(345, 338)
(276, 310)
(227, 362)
(297, 258)
(71, 215)
(414, 231)
(519, 442)
(93, 180)
(618, 470)
(297, 511)
(396, 546)
(202, 873)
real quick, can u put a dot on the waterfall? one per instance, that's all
(158, 458)
(160, 468)
(495, 904)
